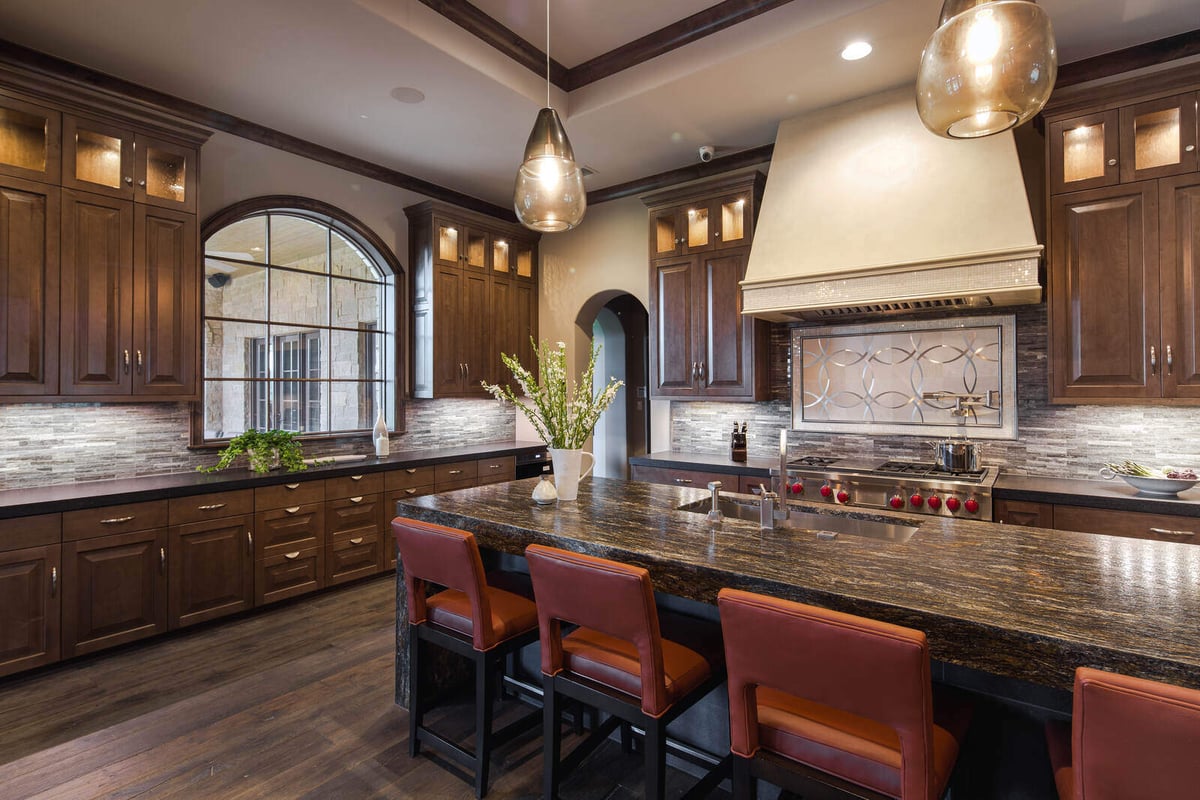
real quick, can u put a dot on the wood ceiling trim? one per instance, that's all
(693, 172)
(24, 59)
(1142, 55)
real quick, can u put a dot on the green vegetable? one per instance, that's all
(262, 448)
(1131, 468)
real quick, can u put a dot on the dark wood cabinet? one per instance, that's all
(355, 527)
(1179, 271)
(289, 541)
(30, 140)
(30, 592)
(1023, 512)
(701, 347)
(29, 277)
(210, 556)
(474, 290)
(166, 303)
(1134, 524)
(112, 159)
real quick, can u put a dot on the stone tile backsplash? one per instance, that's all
(44, 443)
(1053, 440)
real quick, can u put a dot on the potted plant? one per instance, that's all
(264, 449)
(563, 413)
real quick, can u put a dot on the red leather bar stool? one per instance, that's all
(468, 617)
(821, 701)
(617, 660)
(1130, 739)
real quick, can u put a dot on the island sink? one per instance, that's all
(825, 526)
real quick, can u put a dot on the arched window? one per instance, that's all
(300, 309)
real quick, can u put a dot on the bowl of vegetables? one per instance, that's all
(1166, 481)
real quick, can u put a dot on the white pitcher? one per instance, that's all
(567, 475)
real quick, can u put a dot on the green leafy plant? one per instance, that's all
(563, 413)
(262, 448)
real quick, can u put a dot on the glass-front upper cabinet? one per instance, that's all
(164, 174)
(1084, 152)
(1158, 138)
(702, 225)
(29, 140)
(111, 160)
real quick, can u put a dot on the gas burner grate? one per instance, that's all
(925, 469)
(812, 461)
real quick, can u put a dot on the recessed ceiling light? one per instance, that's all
(856, 50)
(407, 94)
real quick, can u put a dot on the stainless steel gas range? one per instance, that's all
(917, 488)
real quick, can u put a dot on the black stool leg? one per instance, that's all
(656, 759)
(744, 785)
(414, 691)
(551, 738)
(626, 738)
(485, 689)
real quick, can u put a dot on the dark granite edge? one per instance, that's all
(93, 494)
(707, 462)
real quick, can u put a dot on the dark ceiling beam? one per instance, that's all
(707, 169)
(1141, 55)
(31, 60)
(687, 30)
(490, 31)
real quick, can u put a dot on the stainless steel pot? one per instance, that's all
(955, 455)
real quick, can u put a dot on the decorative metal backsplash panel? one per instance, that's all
(878, 378)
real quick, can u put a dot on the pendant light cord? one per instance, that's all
(547, 53)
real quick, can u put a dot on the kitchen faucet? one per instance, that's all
(767, 512)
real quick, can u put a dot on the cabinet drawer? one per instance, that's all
(289, 573)
(21, 532)
(92, 522)
(287, 529)
(453, 475)
(408, 477)
(1161, 527)
(496, 470)
(1023, 512)
(353, 485)
(353, 515)
(679, 477)
(746, 484)
(288, 494)
(350, 558)
(210, 506)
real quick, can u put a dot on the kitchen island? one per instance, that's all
(1015, 602)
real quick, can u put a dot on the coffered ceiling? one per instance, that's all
(326, 71)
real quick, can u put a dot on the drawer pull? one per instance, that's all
(410, 491)
(411, 470)
(1168, 532)
(116, 520)
(162, 560)
(683, 480)
(249, 542)
(292, 556)
(493, 466)
(358, 499)
(356, 477)
(356, 540)
(53, 581)
(211, 507)
(292, 510)
(291, 486)
(456, 472)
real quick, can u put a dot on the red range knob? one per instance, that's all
(935, 502)
(843, 496)
(897, 501)
(952, 503)
(972, 505)
(797, 488)
(917, 501)
(826, 491)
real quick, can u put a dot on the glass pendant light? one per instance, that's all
(988, 67)
(549, 195)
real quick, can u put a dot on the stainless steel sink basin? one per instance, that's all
(826, 526)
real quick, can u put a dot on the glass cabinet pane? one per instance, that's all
(1083, 153)
(166, 175)
(476, 249)
(1156, 138)
(98, 158)
(697, 227)
(447, 244)
(524, 261)
(500, 255)
(664, 233)
(23, 139)
(733, 220)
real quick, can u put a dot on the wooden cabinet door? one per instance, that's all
(353, 537)
(29, 283)
(1084, 152)
(289, 574)
(448, 236)
(734, 215)
(114, 590)
(97, 157)
(1022, 512)
(290, 528)
(97, 295)
(165, 174)
(514, 323)
(666, 233)
(30, 592)
(1180, 273)
(674, 297)
(726, 369)
(211, 569)
(166, 303)
(699, 227)
(448, 286)
(1104, 298)
(475, 325)
(1158, 138)
(30, 141)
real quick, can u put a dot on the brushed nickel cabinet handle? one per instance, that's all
(1112, 162)
(683, 480)
(1170, 361)
(116, 520)
(356, 477)
(126, 352)
(411, 470)
(249, 543)
(291, 487)
(142, 183)
(162, 560)
(455, 472)
(358, 499)
(493, 466)
(292, 556)
(410, 491)
(210, 507)
(53, 581)
(1153, 361)
(1167, 532)
(292, 509)
(139, 362)
(356, 540)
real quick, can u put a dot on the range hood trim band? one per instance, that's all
(981, 258)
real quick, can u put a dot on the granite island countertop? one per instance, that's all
(1018, 602)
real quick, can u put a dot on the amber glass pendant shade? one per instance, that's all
(988, 67)
(549, 194)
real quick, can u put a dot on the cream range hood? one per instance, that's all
(866, 213)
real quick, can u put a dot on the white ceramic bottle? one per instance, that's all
(380, 435)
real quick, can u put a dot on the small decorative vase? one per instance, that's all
(544, 493)
(567, 473)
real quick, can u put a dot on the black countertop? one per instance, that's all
(1019, 602)
(1114, 494)
(91, 494)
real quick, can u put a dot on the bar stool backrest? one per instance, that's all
(864, 667)
(448, 557)
(613, 598)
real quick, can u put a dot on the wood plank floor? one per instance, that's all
(291, 702)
